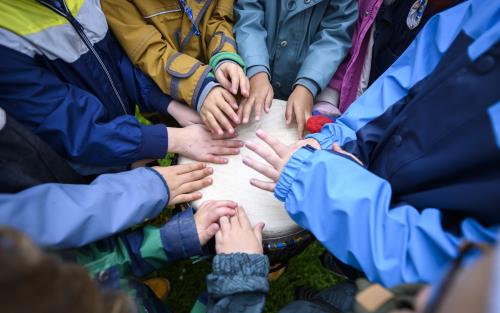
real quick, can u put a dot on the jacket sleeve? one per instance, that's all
(416, 63)
(238, 283)
(219, 32)
(141, 251)
(71, 120)
(330, 45)
(251, 35)
(64, 215)
(349, 210)
(177, 74)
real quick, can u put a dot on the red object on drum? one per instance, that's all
(315, 122)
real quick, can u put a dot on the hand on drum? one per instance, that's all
(300, 105)
(261, 97)
(236, 235)
(276, 156)
(185, 181)
(196, 142)
(208, 216)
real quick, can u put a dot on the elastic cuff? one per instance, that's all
(325, 141)
(180, 237)
(204, 93)
(222, 62)
(310, 84)
(164, 183)
(159, 101)
(254, 70)
(223, 56)
(241, 264)
(154, 142)
(238, 273)
(289, 172)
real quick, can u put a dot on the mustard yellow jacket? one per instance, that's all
(176, 42)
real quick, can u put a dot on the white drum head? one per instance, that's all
(232, 181)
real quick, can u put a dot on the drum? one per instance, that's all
(282, 237)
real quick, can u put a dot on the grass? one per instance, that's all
(188, 279)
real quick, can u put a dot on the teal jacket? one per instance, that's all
(295, 42)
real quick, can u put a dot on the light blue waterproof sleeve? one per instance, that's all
(416, 63)
(348, 209)
(64, 215)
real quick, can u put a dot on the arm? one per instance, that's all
(251, 35)
(329, 47)
(71, 120)
(416, 63)
(176, 73)
(335, 198)
(63, 215)
(144, 250)
(238, 283)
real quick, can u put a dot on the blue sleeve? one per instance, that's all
(238, 283)
(349, 210)
(63, 215)
(139, 87)
(416, 63)
(330, 44)
(71, 120)
(250, 33)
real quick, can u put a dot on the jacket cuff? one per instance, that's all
(180, 237)
(237, 273)
(211, 84)
(325, 141)
(154, 142)
(290, 171)
(159, 101)
(162, 179)
(256, 69)
(310, 84)
(216, 60)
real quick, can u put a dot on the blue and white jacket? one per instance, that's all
(428, 133)
(64, 76)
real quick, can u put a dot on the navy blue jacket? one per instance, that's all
(64, 76)
(428, 133)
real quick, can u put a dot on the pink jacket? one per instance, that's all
(346, 79)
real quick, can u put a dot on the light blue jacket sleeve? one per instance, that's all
(64, 215)
(416, 63)
(330, 45)
(251, 34)
(349, 210)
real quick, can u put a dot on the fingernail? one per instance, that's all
(245, 120)
(210, 170)
(257, 118)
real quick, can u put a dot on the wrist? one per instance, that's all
(174, 140)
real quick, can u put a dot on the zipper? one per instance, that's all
(80, 30)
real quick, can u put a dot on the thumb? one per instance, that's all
(208, 233)
(257, 230)
(221, 78)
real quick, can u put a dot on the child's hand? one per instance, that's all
(236, 235)
(231, 76)
(208, 215)
(300, 104)
(218, 110)
(196, 142)
(183, 114)
(261, 96)
(185, 180)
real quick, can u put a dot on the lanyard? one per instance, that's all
(189, 12)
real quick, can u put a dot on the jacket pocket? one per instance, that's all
(180, 65)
